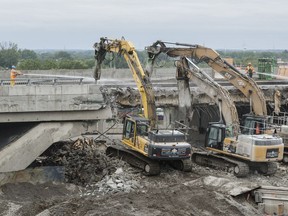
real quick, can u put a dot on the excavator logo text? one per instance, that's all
(227, 75)
(241, 83)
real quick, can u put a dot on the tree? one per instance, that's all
(90, 63)
(62, 55)
(9, 54)
(28, 54)
(48, 65)
(46, 56)
(65, 64)
(29, 64)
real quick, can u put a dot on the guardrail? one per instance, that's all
(45, 81)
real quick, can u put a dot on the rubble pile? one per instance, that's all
(83, 159)
(124, 179)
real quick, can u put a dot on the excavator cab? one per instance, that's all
(135, 126)
(254, 125)
(215, 135)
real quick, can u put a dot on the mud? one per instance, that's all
(116, 188)
(162, 195)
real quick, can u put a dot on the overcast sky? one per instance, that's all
(77, 24)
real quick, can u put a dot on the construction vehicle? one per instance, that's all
(203, 54)
(252, 149)
(143, 145)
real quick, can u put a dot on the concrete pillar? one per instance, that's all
(100, 125)
(184, 98)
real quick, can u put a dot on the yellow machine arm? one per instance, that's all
(127, 50)
(215, 91)
(203, 54)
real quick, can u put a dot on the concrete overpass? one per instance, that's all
(37, 103)
(32, 117)
(36, 113)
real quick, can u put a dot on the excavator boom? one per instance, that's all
(143, 146)
(127, 50)
(203, 54)
(240, 152)
(218, 93)
(186, 69)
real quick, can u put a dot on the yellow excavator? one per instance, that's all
(253, 148)
(143, 145)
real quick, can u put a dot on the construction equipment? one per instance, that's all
(240, 152)
(146, 146)
(203, 54)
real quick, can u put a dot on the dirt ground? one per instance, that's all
(125, 190)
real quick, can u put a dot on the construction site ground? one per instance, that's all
(95, 184)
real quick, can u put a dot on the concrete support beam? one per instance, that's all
(43, 98)
(21, 153)
(87, 115)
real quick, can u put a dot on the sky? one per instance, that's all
(78, 24)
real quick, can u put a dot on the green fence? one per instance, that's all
(266, 65)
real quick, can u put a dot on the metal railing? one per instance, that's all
(280, 119)
(44, 81)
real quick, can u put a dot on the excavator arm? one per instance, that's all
(203, 54)
(219, 94)
(186, 69)
(127, 50)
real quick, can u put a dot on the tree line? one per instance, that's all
(26, 59)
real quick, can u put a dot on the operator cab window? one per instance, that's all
(248, 128)
(129, 129)
(142, 130)
(215, 137)
(253, 127)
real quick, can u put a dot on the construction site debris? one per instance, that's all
(124, 190)
(122, 180)
(34, 175)
(83, 160)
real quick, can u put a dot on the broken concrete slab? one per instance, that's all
(223, 185)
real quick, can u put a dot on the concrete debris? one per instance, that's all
(122, 96)
(87, 165)
(84, 163)
(119, 170)
(224, 185)
(102, 180)
(122, 180)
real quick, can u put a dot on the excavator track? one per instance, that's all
(184, 165)
(149, 166)
(187, 165)
(285, 157)
(239, 168)
(266, 168)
